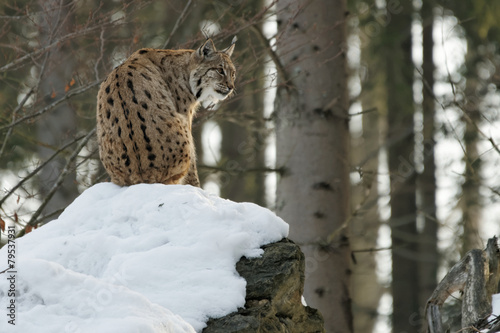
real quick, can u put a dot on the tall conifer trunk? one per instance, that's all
(60, 125)
(312, 144)
(243, 143)
(427, 180)
(399, 70)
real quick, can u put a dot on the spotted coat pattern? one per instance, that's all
(145, 110)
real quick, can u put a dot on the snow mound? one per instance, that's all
(144, 258)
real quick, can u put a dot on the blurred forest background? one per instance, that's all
(416, 169)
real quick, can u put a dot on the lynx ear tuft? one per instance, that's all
(207, 49)
(230, 49)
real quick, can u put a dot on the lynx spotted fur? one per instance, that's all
(145, 110)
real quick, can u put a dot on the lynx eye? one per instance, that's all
(220, 71)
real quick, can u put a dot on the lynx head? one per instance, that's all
(212, 73)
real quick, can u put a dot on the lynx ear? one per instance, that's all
(229, 50)
(207, 49)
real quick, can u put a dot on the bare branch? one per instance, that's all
(14, 114)
(240, 170)
(67, 169)
(101, 54)
(13, 18)
(54, 43)
(53, 104)
(177, 23)
(23, 102)
(374, 249)
(36, 170)
(272, 54)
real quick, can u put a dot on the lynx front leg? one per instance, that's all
(192, 175)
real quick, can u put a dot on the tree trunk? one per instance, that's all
(427, 180)
(312, 144)
(366, 289)
(470, 201)
(242, 149)
(399, 69)
(60, 125)
(243, 141)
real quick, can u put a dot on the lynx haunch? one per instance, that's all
(145, 110)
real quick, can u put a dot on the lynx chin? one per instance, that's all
(145, 110)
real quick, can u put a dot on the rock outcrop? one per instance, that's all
(275, 283)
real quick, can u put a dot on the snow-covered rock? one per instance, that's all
(275, 283)
(144, 258)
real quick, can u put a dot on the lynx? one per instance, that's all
(145, 110)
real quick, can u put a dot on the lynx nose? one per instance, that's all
(228, 88)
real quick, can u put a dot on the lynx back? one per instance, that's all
(145, 110)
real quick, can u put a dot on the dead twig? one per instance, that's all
(476, 275)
